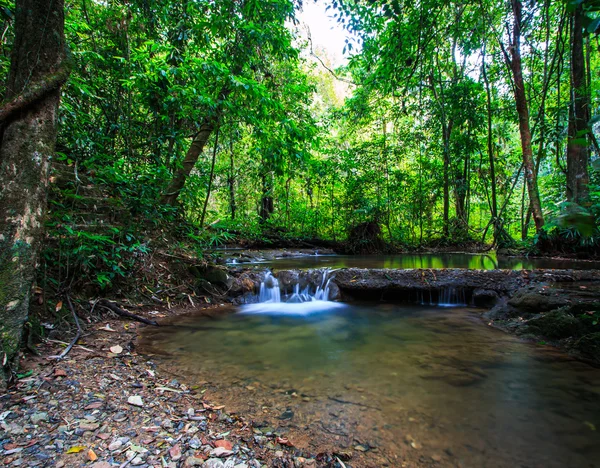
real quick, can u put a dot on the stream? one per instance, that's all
(423, 260)
(389, 382)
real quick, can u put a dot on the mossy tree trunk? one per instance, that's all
(28, 135)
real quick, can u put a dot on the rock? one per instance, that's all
(193, 461)
(194, 443)
(224, 444)
(101, 464)
(484, 297)
(554, 325)
(343, 455)
(589, 346)
(436, 458)
(213, 463)
(175, 452)
(220, 452)
(137, 461)
(89, 427)
(361, 448)
(532, 301)
(214, 274)
(135, 400)
(37, 418)
(114, 446)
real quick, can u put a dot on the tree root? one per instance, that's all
(123, 313)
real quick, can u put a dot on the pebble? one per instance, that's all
(213, 463)
(135, 400)
(39, 417)
(116, 445)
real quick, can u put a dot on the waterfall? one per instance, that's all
(308, 300)
(269, 289)
(444, 297)
(270, 292)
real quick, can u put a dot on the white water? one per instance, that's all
(300, 302)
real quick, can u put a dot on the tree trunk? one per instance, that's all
(446, 130)
(577, 148)
(181, 174)
(231, 180)
(210, 179)
(523, 111)
(27, 142)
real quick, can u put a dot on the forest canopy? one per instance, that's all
(451, 122)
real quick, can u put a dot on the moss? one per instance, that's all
(589, 346)
(554, 325)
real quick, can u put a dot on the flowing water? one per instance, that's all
(391, 383)
(434, 261)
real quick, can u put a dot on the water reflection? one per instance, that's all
(390, 376)
(433, 261)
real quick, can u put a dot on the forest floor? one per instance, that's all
(105, 405)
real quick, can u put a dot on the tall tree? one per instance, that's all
(39, 67)
(577, 149)
(514, 61)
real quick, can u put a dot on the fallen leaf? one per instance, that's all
(284, 441)
(59, 306)
(95, 405)
(76, 449)
(107, 328)
(116, 349)
(92, 455)
(59, 373)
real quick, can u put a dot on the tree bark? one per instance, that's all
(522, 106)
(181, 174)
(577, 148)
(27, 142)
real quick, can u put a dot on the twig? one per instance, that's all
(123, 313)
(77, 336)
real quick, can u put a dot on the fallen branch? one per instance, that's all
(123, 313)
(77, 336)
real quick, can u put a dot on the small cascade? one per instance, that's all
(445, 297)
(269, 289)
(305, 301)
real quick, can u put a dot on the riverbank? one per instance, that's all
(105, 405)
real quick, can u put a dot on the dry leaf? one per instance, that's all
(116, 349)
(92, 455)
(59, 306)
(284, 441)
(76, 449)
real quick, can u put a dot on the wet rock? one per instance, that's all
(534, 301)
(554, 325)
(589, 346)
(485, 297)
(214, 274)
